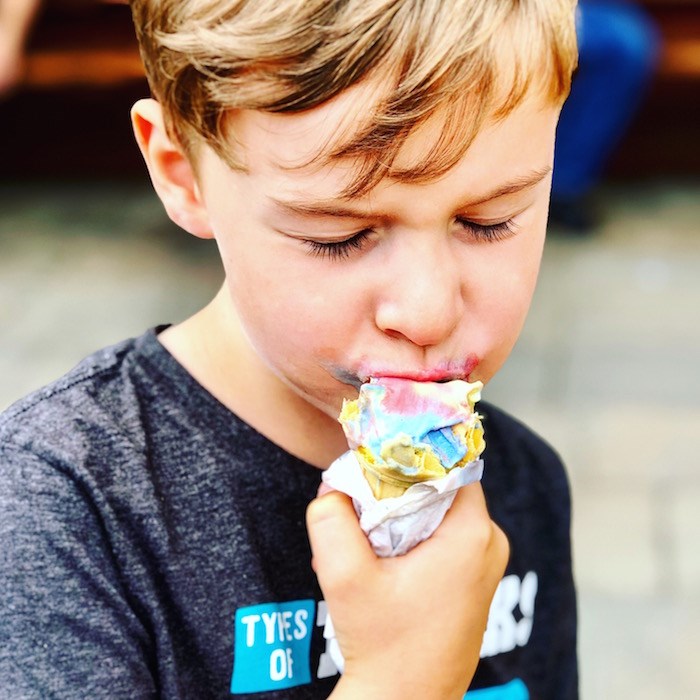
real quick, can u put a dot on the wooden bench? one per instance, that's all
(92, 45)
(679, 25)
(96, 46)
(664, 138)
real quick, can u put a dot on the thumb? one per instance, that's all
(338, 545)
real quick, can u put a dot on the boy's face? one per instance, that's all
(429, 281)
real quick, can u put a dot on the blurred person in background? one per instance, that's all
(618, 48)
(16, 19)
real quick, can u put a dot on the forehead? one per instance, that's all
(298, 141)
(287, 150)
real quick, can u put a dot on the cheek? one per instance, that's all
(506, 303)
(290, 315)
(523, 282)
(514, 275)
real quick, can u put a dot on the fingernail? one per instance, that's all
(323, 489)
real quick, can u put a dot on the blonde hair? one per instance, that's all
(463, 60)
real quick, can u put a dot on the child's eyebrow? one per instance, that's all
(333, 209)
(523, 182)
(320, 208)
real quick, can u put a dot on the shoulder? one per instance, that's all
(94, 404)
(508, 436)
(74, 455)
(68, 488)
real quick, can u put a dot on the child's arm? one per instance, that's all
(409, 626)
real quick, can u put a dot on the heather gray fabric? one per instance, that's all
(152, 545)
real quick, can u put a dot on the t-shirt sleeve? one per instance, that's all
(67, 627)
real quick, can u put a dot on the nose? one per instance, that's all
(421, 297)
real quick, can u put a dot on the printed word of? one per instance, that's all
(272, 646)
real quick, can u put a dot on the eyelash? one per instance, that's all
(489, 232)
(340, 250)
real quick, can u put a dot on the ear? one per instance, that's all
(170, 170)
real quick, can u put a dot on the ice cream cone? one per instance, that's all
(382, 483)
(398, 443)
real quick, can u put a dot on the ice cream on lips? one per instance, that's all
(403, 432)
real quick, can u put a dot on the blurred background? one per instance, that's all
(607, 367)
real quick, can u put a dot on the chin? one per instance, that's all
(326, 399)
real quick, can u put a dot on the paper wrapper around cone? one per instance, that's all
(395, 525)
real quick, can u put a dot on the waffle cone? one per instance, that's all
(380, 488)
(382, 485)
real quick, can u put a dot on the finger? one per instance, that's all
(323, 489)
(469, 519)
(338, 545)
(469, 506)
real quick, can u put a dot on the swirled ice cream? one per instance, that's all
(403, 432)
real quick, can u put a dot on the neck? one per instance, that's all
(231, 371)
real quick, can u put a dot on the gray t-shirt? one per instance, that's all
(152, 545)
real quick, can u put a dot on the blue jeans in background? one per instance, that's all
(618, 49)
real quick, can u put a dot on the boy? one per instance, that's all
(376, 176)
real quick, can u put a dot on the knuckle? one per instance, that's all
(317, 511)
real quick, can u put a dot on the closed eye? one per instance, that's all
(339, 250)
(488, 232)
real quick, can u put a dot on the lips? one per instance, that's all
(440, 373)
(444, 372)
(428, 375)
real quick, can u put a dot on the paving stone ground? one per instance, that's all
(607, 369)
